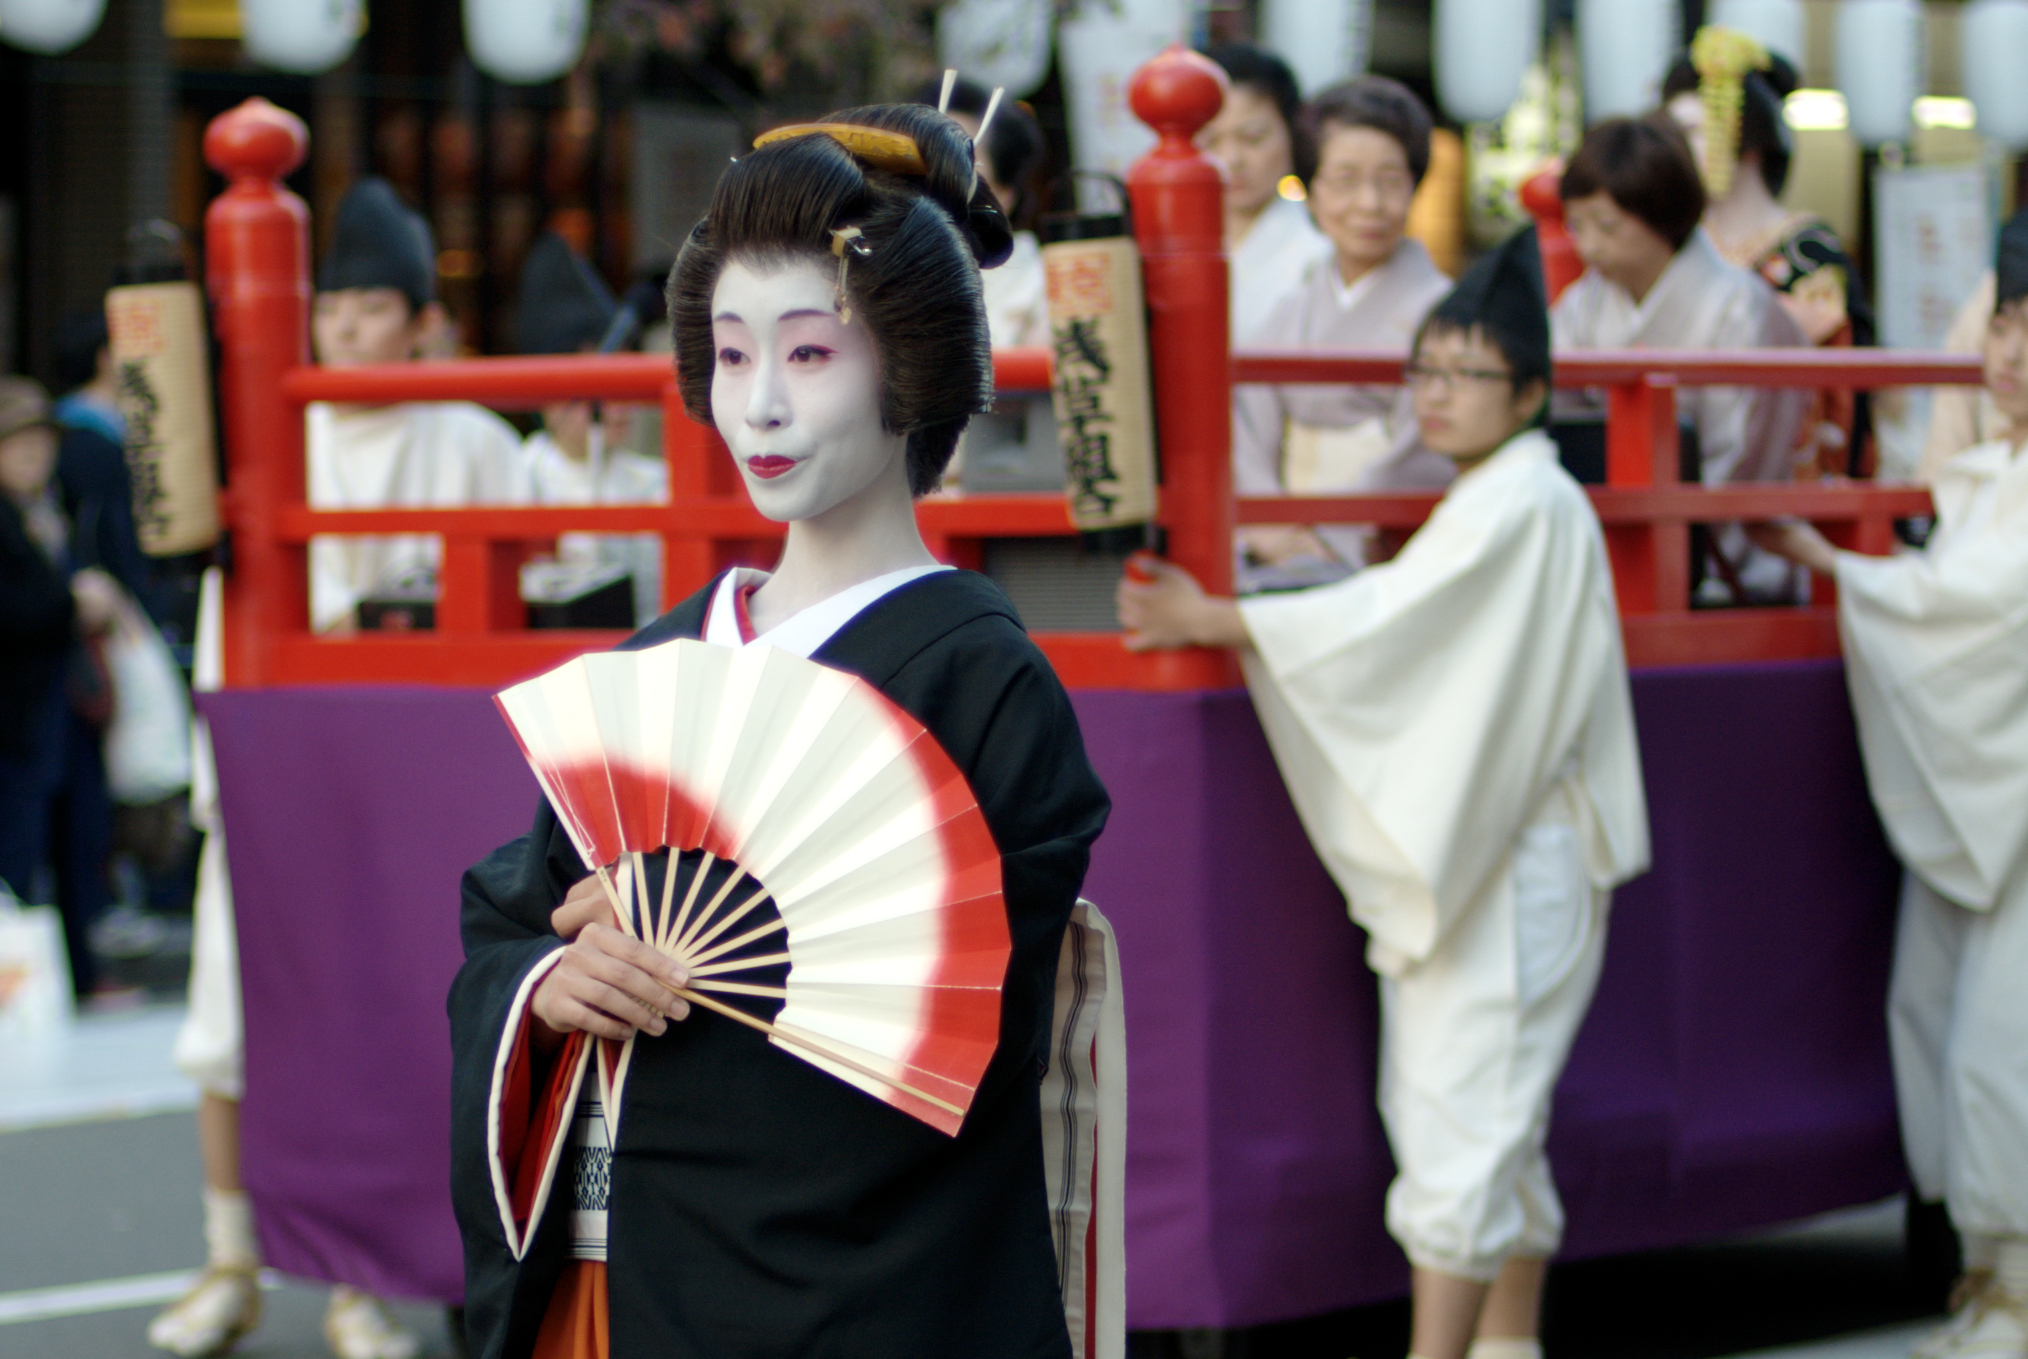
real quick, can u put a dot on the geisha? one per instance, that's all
(828, 322)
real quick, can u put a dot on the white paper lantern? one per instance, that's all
(525, 42)
(1625, 46)
(1777, 25)
(1323, 41)
(304, 36)
(49, 26)
(998, 42)
(1099, 49)
(1994, 34)
(1879, 58)
(1483, 48)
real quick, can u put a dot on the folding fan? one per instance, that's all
(824, 856)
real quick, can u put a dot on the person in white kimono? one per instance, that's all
(426, 453)
(1016, 294)
(580, 455)
(1257, 141)
(1372, 137)
(375, 303)
(1936, 654)
(1456, 733)
(1653, 280)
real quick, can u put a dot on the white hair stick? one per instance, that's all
(992, 107)
(950, 82)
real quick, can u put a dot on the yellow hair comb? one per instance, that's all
(876, 146)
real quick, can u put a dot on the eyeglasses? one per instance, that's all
(1424, 375)
(1388, 186)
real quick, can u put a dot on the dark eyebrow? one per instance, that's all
(728, 316)
(785, 316)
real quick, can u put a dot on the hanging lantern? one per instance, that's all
(49, 26)
(525, 42)
(1625, 46)
(1776, 25)
(1099, 47)
(305, 38)
(1483, 48)
(1880, 62)
(998, 42)
(1323, 41)
(1994, 34)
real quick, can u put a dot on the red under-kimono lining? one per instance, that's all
(528, 1129)
(741, 612)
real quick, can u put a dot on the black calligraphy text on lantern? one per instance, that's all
(1083, 378)
(144, 447)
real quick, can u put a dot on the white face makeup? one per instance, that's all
(795, 392)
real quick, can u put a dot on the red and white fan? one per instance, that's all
(824, 854)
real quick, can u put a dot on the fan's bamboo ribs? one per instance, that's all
(740, 988)
(816, 1045)
(647, 922)
(673, 927)
(697, 969)
(740, 941)
(722, 924)
(668, 895)
(613, 896)
(684, 940)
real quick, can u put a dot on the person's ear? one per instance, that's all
(425, 324)
(1529, 399)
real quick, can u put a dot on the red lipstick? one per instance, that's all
(768, 466)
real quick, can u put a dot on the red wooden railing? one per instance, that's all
(259, 281)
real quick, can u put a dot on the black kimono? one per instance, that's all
(760, 1207)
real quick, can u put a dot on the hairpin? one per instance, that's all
(876, 146)
(840, 238)
(979, 142)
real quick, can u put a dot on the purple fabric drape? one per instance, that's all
(1733, 1071)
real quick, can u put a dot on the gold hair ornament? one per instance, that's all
(876, 146)
(841, 237)
(1723, 57)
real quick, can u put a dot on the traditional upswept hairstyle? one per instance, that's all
(1763, 131)
(911, 275)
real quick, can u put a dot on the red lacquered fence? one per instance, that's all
(258, 256)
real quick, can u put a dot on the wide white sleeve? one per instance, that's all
(1936, 653)
(1421, 709)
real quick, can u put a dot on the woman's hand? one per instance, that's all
(97, 597)
(584, 904)
(1162, 606)
(610, 985)
(1799, 542)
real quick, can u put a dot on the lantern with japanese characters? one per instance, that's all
(1098, 329)
(164, 367)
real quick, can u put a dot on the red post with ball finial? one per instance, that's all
(1179, 222)
(257, 271)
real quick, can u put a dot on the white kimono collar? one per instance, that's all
(804, 633)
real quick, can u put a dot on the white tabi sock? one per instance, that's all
(229, 1229)
(1505, 1347)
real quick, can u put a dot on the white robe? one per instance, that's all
(1268, 263)
(1425, 709)
(437, 454)
(1017, 296)
(1936, 654)
(624, 478)
(1702, 301)
(1455, 729)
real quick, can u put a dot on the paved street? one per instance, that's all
(99, 1224)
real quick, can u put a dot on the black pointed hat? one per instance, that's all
(564, 305)
(2010, 263)
(1502, 294)
(379, 242)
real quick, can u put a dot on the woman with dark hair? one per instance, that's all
(1653, 280)
(1371, 292)
(827, 321)
(1269, 237)
(1017, 306)
(1726, 94)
